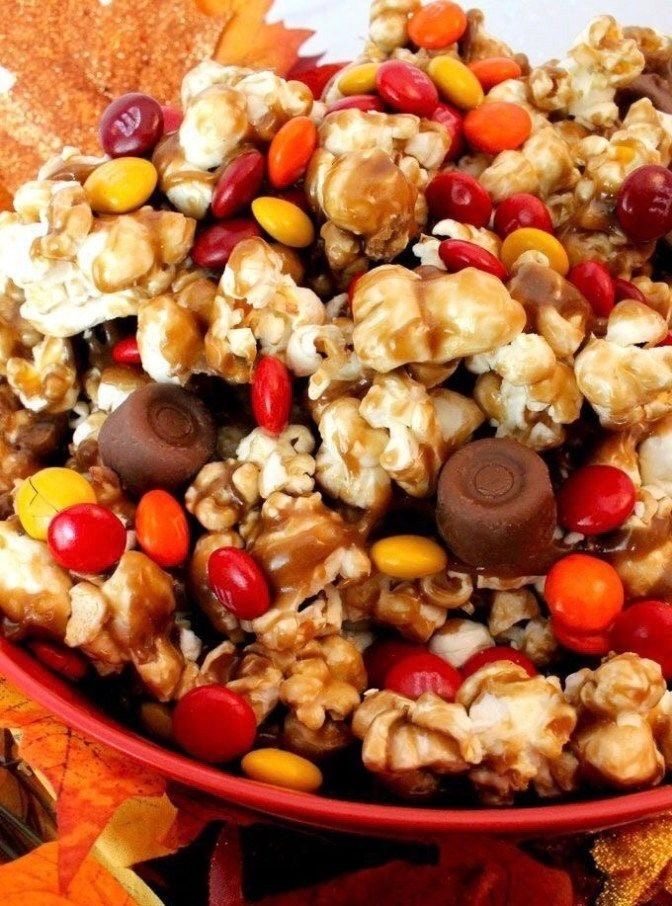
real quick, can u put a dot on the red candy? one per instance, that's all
(423, 672)
(594, 281)
(498, 653)
(457, 254)
(271, 394)
(61, 660)
(584, 594)
(172, 118)
(126, 352)
(406, 88)
(131, 125)
(458, 196)
(239, 583)
(498, 126)
(364, 102)
(162, 528)
(646, 629)
(380, 657)
(451, 120)
(596, 499)
(86, 538)
(213, 246)
(596, 644)
(624, 289)
(214, 724)
(239, 184)
(644, 204)
(522, 210)
(290, 151)
(666, 341)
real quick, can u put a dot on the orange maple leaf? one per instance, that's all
(90, 780)
(248, 40)
(33, 880)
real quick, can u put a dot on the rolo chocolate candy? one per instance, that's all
(158, 438)
(496, 508)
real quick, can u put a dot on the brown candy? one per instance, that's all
(158, 438)
(647, 85)
(496, 508)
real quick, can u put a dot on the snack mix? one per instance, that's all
(336, 423)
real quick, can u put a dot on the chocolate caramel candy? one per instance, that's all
(158, 438)
(495, 507)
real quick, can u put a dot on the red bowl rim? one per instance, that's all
(66, 703)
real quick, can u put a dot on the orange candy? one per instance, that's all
(493, 70)
(584, 594)
(291, 150)
(437, 25)
(162, 529)
(498, 126)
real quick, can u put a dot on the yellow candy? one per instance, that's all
(528, 239)
(45, 494)
(157, 720)
(282, 769)
(408, 556)
(121, 185)
(358, 79)
(284, 221)
(456, 82)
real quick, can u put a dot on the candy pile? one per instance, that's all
(336, 415)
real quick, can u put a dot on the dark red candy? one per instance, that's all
(214, 244)
(667, 340)
(131, 125)
(317, 77)
(126, 351)
(239, 583)
(239, 184)
(645, 628)
(364, 102)
(594, 282)
(271, 394)
(522, 210)
(596, 499)
(644, 204)
(458, 196)
(595, 644)
(406, 88)
(423, 672)
(86, 538)
(457, 254)
(380, 657)
(498, 653)
(452, 121)
(624, 289)
(59, 659)
(214, 724)
(172, 118)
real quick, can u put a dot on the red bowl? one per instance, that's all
(73, 709)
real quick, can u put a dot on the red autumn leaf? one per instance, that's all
(90, 780)
(225, 883)
(474, 871)
(195, 812)
(316, 77)
(33, 880)
(249, 40)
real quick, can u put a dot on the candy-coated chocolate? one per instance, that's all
(45, 494)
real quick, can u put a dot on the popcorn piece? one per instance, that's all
(290, 628)
(349, 459)
(478, 44)
(303, 546)
(401, 317)
(528, 394)
(325, 681)
(257, 308)
(17, 336)
(626, 385)
(458, 640)
(169, 340)
(223, 493)
(632, 323)
(400, 735)
(387, 26)
(111, 387)
(34, 591)
(415, 609)
(584, 86)
(315, 744)
(614, 741)
(257, 678)
(284, 463)
(49, 382)
(522, 724)
(509, 608)
(187, 187)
